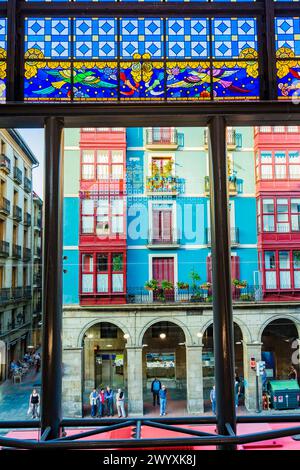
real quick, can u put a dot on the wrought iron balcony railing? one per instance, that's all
(17, 175)
(17, 213)
(168, 185)
(168, 238)
(5, 163)
(17, 293)
(27, 292)
(37, 278)
(26, 254)
(202, 294)
(27, 184)
(232, 185)
(161, 137)
(4, 249)
(37, 251)
(4, 206)
(17, 251)
(27, 219)
(234, 236)
(230, 138)
(5, 295)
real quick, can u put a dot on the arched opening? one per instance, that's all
(208, 363)
(104, 360)
(164, 358)
(279, 349)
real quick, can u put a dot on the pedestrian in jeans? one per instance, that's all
(163, 400)
(101, 403)
(109, 398)
(34, 404)
(213, 399)
(155, 388)
(93, 402)
(120, 402)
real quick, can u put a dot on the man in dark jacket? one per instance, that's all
(155, 388)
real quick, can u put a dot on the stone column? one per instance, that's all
(194, 377)
(135, 381)
(89, 366)
(251, 350)
(72, 383)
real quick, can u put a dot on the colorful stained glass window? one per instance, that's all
(142, 59)
(287, 40)
(3, 58)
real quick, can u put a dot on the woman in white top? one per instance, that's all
(120, 402)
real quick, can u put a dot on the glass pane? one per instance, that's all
(102, 262)
(88, 172)
(295, 219)
(87, 206)
(87, 263)
(87, 283)
(285, 279)
(117, 156)
(117, 206)
(284, 260)
(117, 262)
(271, 282)
(49, 36)
(87, 224)
(268, 206)
(102, 283)
(88, 156)
(296, 259)
(141, 36)
(117, 282)
(270, 260)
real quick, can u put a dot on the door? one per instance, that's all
(162, 226)
(163, 270)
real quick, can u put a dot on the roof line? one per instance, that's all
(23, 145)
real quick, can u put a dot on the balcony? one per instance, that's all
(37, 223)
(170, 240)
(27, 293)
(4, 249)
(161, 138)
(26, 254)
(27, 219)
(4, 206)
(37, 278)
(27, 184)
(17, 175)
(37, 251)
(17, 252)
(139, 295)
(232, 186)
(164, 185)
(17, 213)
(17, 293)
(5, 296)
(234, 236)
(5, 164)
(230, 139)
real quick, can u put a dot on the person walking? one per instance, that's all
(120, 402)
(109, 398)
(212, 397)
(237, 392)
(155, 388)
(34, 404)
(163, 400)
(101, 403)
(93, 402)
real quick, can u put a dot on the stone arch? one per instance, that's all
(97, 320)
(247, 337)
(296, 322)
(187, 334)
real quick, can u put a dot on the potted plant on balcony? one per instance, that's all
(182, 285)
(196, 294)
(239, 284)
(151, 285)
(206, 285)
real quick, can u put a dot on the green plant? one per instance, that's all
(151, 285)
(195, 277)
(206, 285)
(182, 285)
(209, 299)
(118, 262)
(246, 297)
(166, 285)
(239, 284)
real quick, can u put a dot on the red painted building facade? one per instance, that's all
(102, 243)
(277, 153)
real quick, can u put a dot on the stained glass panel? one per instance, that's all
(287, 37)
(187, 38)
(141, 80)
(141, 36)
(95, 38)
(47, 81)
(230, 36)
(188, 81)
(3, 58)
(235, 80)
(95, 81)
(52, 36)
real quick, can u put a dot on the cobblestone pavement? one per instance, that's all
(14, 398)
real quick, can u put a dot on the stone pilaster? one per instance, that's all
(251, 350)
(72, 385)
(135, 381)
(194, 379)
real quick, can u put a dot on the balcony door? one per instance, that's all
(163, 270)
(162, 225)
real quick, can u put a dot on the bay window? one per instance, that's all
(102, 273)
(270, 269)
(102, 164)
(103, 216)
(280, 215)
(278, 164)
